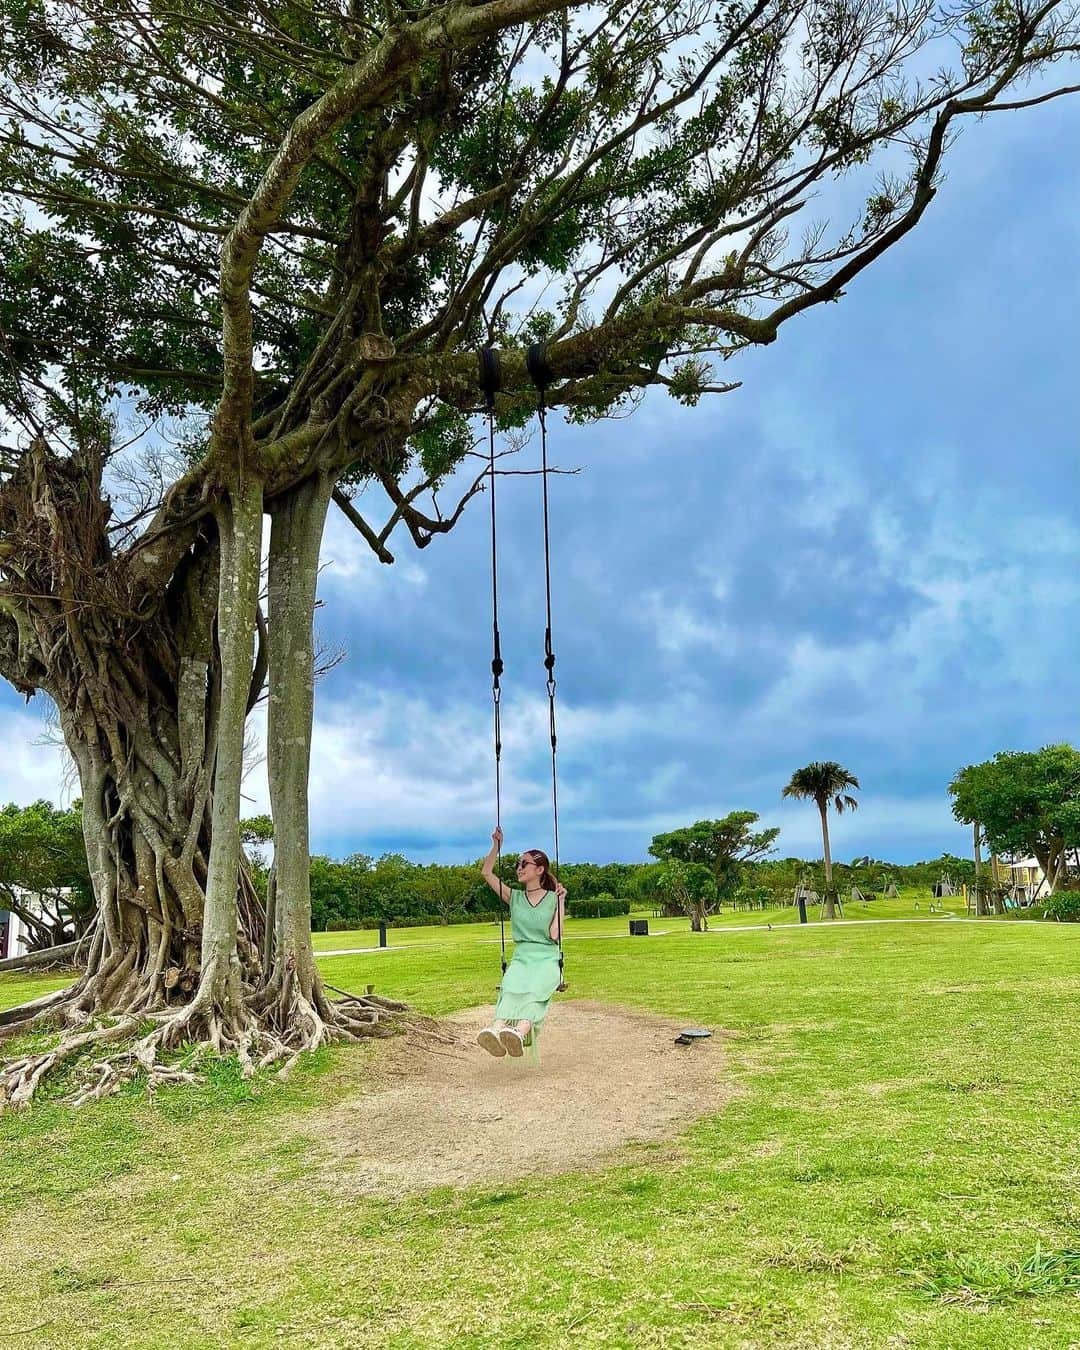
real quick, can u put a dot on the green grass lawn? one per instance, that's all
(900, 1167)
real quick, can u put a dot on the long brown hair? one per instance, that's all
(547, 880)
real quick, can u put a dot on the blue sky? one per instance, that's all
(867, 553)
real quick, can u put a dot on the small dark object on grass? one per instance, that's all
(691, 1034)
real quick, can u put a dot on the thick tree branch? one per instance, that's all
(368, 84)
(356, 519)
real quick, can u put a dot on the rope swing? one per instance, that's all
(542, 376)
(490, 380)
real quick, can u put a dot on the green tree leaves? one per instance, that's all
(721, 846)
(44, 876)
(1027, 802)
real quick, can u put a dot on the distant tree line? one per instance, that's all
(359, 891)
(700, 870)
(1019, 803)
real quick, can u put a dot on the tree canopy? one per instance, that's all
(692, 887)
(1027, 803)
(824, 782)
(723, 846)
(305, 219)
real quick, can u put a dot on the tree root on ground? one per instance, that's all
(259, 1039)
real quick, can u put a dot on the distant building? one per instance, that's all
(1023, 878)
(15, 934)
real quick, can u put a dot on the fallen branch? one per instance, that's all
(42, 960)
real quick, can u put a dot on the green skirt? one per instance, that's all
(531, 978)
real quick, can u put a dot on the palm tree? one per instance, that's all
(823, 782)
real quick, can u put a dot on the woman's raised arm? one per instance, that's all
(487, 867)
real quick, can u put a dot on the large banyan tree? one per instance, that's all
(280, 231)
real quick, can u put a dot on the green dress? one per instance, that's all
(533, 974)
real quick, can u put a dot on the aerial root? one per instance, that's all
(20, 1079)
(113, 1074)
(259, 1039)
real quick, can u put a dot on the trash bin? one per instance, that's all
(639, 928)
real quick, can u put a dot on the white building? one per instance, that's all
(1023, 877)
(14, 935)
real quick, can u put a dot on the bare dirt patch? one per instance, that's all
(447, 1113)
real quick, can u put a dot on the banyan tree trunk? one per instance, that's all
(218, 1009)
(292, 1000)
(139, 702)
(292, 985)
(153, 710)
(145, 705)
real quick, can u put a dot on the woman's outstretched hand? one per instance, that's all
(497, 836)
(560, 891)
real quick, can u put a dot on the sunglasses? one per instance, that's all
(524, 862)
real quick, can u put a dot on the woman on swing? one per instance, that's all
(537, 906)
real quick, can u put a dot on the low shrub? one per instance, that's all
(602, 907)
(1064, 907)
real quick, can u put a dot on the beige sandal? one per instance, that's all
(488, 1040)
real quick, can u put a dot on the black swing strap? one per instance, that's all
(490, 380)
(542, 375)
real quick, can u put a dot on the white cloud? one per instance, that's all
(33, 766)
(385, 765)
(906, 821)
(677, 629)
(347, 559)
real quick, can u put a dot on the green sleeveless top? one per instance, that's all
(532, 923)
